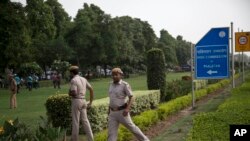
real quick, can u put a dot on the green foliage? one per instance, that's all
(183, 50)
(172, 106)
(156, 77)
(41, 21)
(47, 132)
(213, 87)
(58, 109)
(60, 66)
(15, 39)
(61, 17)
(168, 44)
(199, 84)
(235, 110)
(17, 131)
(29, 68)
(145, 101)
(177, 88)
(14, 130)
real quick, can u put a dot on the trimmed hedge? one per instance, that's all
(235, 110)
(148, 118)
(59, 108)
(156, 73)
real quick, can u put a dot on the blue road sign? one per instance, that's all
(212, 55)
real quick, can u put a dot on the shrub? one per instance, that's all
(213, 87)
(14, 130)
(199, 84)
(178, 88)
(17, 131)
(156, 77)
(59, 108)
(47, 132)
(173, 106)
(235, 110)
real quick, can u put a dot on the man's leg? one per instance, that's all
(86, 125)
(14, 99)
(11, 101)
(113, 125)
(75, 120)
(128, 123)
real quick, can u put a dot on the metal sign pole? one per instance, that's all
(192, 76)
(243, 68)
(232, 52)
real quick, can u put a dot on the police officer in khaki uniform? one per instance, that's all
(119, 108)
(13, 91)
(78, 86)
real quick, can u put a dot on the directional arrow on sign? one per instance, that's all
(210, 72)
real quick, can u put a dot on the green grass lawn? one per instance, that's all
(31, 103)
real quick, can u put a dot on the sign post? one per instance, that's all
(212, 55)
(192, 75)
(242, 44)
(232, 53)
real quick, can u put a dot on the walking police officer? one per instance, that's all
(78, 86)
(119, 108)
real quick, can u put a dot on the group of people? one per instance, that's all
(31, 81)
(119, 108)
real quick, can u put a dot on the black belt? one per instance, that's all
(119, 108)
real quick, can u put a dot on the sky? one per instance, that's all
(191, 19)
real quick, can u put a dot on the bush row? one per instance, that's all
(164, 110)
(234, 110)
(59, 108)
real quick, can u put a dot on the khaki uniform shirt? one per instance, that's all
(118, 93)
(13, 86)
(79, 84)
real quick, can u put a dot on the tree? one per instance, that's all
(60, 66)
(61, 18)
(135, 37)
(30, 68)
(78, 37)
(14, 40)
(183, 51)
(56, 49)
(41, 20)
(92, 38)
(168, 45)
(156, 77)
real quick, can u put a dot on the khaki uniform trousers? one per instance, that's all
(115, 118)
(79, 112)
(13, 103)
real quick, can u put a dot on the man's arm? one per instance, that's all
(129, 103)
(91, 92)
